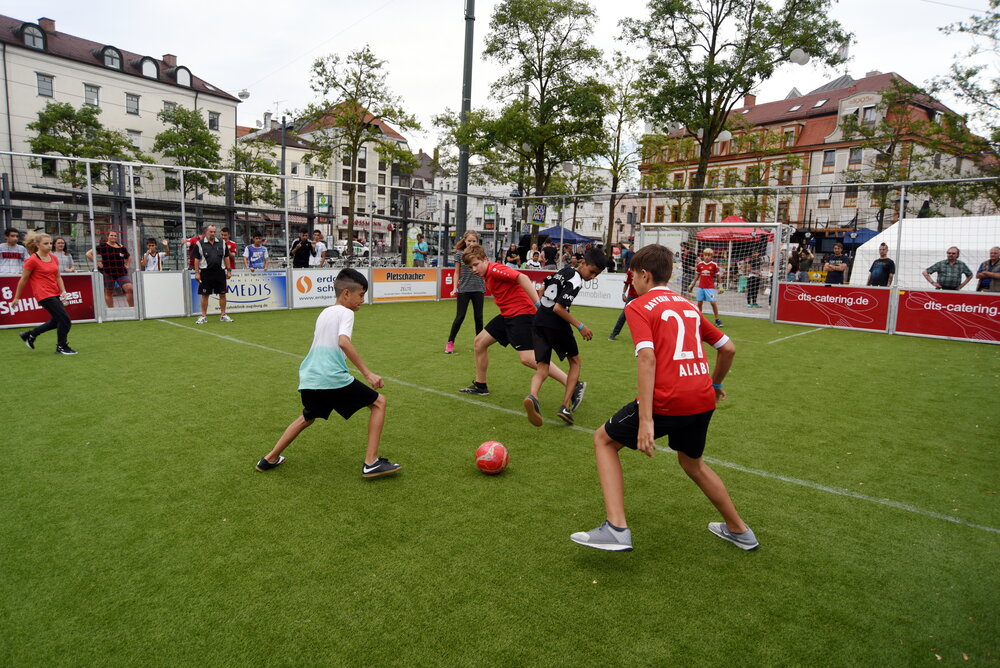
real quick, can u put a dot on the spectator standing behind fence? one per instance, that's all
(152, 260)
(628, 294)
(231, 248)
(211, 270)
(883, 269)
(753, 265)
(469, 287)
(41, 271)
(301, 251)
(793, 265)
(512, 259)
(836, 265)
(420, 250)
(689, 260)
(949, 272)
(806, 258)
(549, 253)
(255, 255)
(12, 254)
(318, 256)
(534, 262)
(989, 273)
(65, 259)
(188, 245)
(114, 265)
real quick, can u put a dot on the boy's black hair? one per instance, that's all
(226, 230)
(657, 260)
(596, 258)
(256, 235)
(150, 240)
(317, 232)
(350, 279)
(9, 230)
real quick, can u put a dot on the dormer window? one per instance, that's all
(183, 76)
(149, 68)
(34, 38)
(112, 58)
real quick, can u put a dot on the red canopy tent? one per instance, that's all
(730, 235)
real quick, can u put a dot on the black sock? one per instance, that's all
(616, 528)
(481, 386)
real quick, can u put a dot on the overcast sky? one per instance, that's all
(268, 48)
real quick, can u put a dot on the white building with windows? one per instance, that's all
(42, 65)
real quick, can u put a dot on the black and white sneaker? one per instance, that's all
(28, 339)
(476, 388)
(565, 415)
(578, 392)
(64, 350)
(264, 465)
(380, 466)
(533, 411)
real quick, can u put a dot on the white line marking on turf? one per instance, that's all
(839, 491)
(785, 338)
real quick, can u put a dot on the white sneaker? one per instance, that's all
(225, 318)
(201, 320)
(604, 538)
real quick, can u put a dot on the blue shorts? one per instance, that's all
(705, 295)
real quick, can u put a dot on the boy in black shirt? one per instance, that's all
(551, 332)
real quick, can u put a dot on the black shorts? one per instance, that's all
(687, 432)
(559, 339)
(514, 332)
(121, 279)
(346, 400)
(213, 282)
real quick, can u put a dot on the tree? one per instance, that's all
(552, 101)
(355, 101)
(706, 55)
(188, 142)
(620, 150)
(257, 156)
(63, 130)
(761, 146)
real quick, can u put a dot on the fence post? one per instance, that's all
(98, 293)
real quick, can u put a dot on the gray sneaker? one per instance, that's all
(744, 541)
(604, 538)
(578, 392)
(533, 411)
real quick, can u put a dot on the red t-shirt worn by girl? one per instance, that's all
(43, 281)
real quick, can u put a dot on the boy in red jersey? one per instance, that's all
(515, 296)
(707, 270)
(676, 398)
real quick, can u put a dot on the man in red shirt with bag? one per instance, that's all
(677, 395)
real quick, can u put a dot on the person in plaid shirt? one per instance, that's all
(949, 272)
(114, 266)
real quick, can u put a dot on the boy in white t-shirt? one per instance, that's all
(318, 256)
(325, 385)
(152, 260)
(255, 255)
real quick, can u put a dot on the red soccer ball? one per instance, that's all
(491, 457)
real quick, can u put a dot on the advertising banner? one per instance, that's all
(247, 291)
(955, 315)
(313, 287)
(834, 306)
(404, 284)
(605, 291)
(448, 282)
(79, 303)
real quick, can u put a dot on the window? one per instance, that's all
(785, 176)
(789, 137)
(727, 210)
(45, 88)
(868, 116)
(92, 95)
(851, 196)
(713, 179)
(783, 206)
(169, 106)
(131, 104)
(347, 161)
(136, 181)
(135, 138)
(829, 161)
(381, 165)
(753, 175)
(362, 177)
(958, 165)
(730, 177)
(213, 120)
(49, 167)
(149, 68)
(937, 160)
(795, 108)
(658, 216)
(823, 203)
(821, 103)
(381, 179)
(854, 159)
(346, 175)
(295, 168)
(183, 76)
(679, 180)
(293, 198)
(112, 58)
(642, 214)
(675, 213)
(710, 213)
(34, 38)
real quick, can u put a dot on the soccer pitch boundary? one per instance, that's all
(839, 491)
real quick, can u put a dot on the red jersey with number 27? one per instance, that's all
(508, 295)
(674, 329)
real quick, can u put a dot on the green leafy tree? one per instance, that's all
(257, 156)
(620, 150)
(552, 99)
(187, 142)
(354, 100)
(705, 55)
(63, 130)
(762, 147)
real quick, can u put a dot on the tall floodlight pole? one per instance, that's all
(463, 151)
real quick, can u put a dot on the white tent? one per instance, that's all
(917, 243)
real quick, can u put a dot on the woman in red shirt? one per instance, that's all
(41, 272)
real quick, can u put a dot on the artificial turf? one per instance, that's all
(137, 532)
